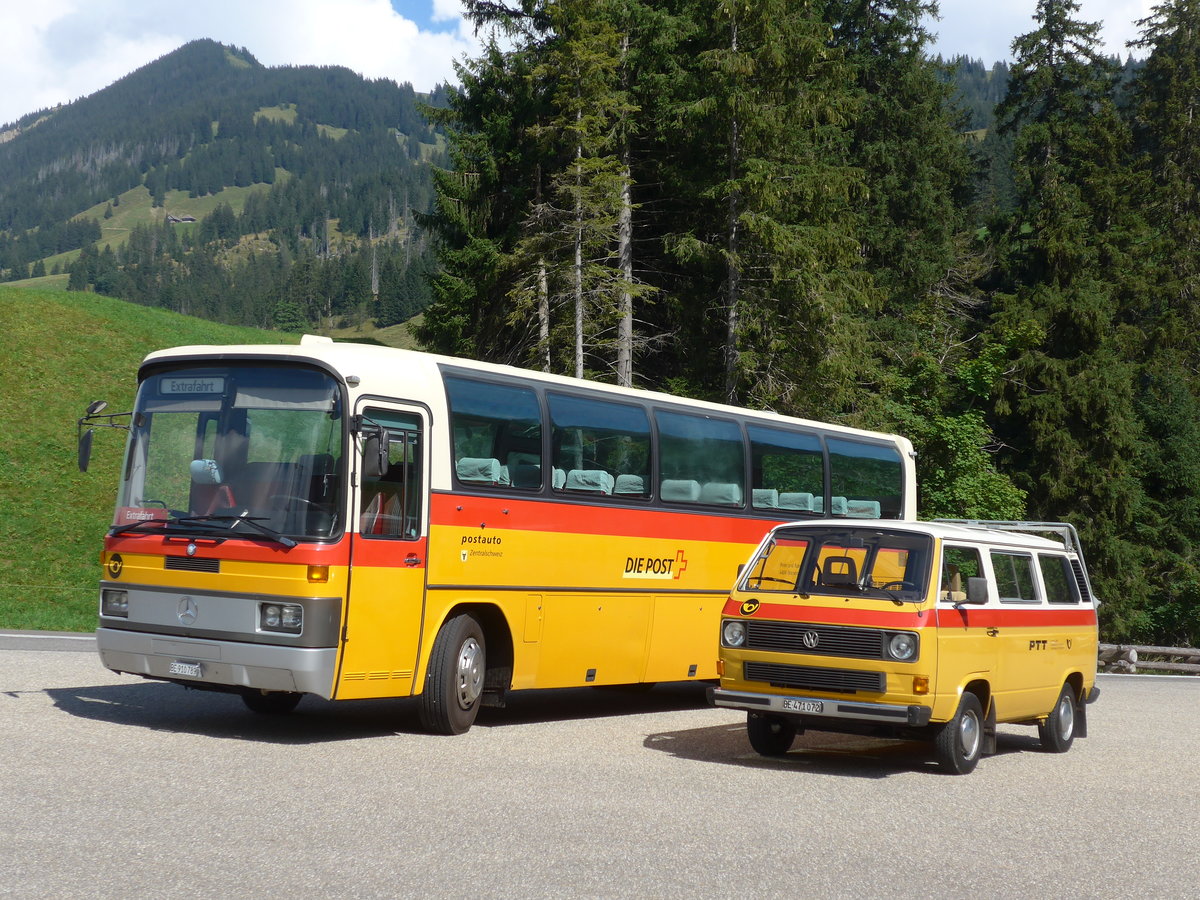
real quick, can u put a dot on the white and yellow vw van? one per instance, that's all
(934, 630)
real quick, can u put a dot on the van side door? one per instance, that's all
(967, 646)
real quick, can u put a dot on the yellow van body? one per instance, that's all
(930, 630)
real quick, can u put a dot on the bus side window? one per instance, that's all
(787, 469)
(701, 451)
(391, 502)
(497, 434)
(867, 478)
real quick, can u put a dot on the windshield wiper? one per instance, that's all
(252, 521)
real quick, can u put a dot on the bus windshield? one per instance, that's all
(251, 447)
(872, 562)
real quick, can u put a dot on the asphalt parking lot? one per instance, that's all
(114, 786)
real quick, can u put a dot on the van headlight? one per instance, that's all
(286, 618)
(733, 633)
(903, 646)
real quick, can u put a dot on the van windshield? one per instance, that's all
(838, 561)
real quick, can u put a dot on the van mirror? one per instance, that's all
(977, 591)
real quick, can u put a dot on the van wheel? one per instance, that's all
(454, 679)
(768, 735)
(271, 703)
(960, 741)
(1057, 733)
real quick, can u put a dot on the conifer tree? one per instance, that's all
(1066, 409)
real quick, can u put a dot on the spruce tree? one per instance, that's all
(1066, 407)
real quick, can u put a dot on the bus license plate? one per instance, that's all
(803, 706)
(191, 669)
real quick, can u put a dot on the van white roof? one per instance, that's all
(974, 534)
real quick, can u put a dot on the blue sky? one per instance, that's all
(55, 51)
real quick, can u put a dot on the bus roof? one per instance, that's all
(376, 368)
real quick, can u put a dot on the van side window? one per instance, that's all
(1014, 577)
(1058, 579)
(958, 564)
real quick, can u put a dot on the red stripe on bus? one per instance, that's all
(232, 549)
(457, 510)
(383, 553)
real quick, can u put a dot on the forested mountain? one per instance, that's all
(303, 183)
(792, 206)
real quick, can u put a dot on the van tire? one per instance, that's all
(454, 678)
(769, 735)
(959, 743)
(1057, 733)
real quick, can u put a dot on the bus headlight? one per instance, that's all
(903, 646)
(114, 603)
(733, 633)
(286, 618)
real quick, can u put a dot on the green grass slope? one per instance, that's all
(65, 350)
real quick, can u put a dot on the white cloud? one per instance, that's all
(985, 30)
(56, 51)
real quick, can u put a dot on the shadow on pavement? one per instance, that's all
(821, 752)
(161, 706)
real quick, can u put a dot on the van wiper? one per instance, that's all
(252, 521)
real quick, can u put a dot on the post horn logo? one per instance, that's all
(115, 564)
(749, 607)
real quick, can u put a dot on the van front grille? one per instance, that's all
(815, 640)
(813, 678)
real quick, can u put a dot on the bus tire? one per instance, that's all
(270, 703)
(454, 677)
(959, 743)
(1057, 733)
(769, 735)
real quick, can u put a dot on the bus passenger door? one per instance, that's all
(388, 554)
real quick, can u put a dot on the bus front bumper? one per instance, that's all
(910, 716)
(209, 663)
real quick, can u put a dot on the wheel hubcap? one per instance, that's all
(1066, 718)
(469, 676)
(968, 735)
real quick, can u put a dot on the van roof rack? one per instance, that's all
(1070, 537)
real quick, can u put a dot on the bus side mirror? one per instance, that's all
(375, 455)
(977, 591)
(85, 449)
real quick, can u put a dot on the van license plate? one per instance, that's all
(804, 706)
(190, 669)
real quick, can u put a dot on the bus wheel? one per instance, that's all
(271, 703)
(768, 735)
(959, 743)
(454, 679)
(1057, 733)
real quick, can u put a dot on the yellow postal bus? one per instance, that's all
(925, 630)
(354, 521)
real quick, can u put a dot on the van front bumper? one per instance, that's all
(911, 716)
